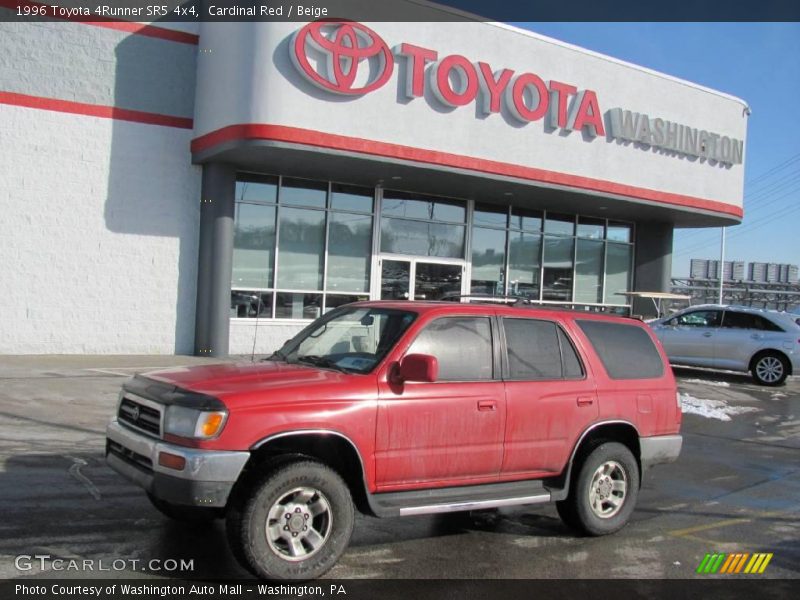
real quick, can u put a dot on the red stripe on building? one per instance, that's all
(281, 133)
(131, 27)
(94, 110)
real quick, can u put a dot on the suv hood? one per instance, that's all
(238, 384)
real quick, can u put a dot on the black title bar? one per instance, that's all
(402, 10)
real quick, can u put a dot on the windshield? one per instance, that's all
(349, 339)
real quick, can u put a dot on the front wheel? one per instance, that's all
(295, 523)
(770, 368)
(604, 492)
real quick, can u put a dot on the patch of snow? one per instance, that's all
(712, 409)
(706, 382)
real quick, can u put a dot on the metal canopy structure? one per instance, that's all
(778, 296)
(658, 298)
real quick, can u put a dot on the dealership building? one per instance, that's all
(210, 188)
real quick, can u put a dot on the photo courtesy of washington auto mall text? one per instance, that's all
(399, 299)
(138, 589)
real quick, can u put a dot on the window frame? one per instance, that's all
(559, 327)
(274, 290)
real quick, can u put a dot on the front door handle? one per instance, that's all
(585, 400)
(707, 334)
(487, 405)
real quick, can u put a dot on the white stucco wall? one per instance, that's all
(99, 222)
(248, 78)
(98, 216)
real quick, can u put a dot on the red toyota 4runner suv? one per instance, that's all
(403, 408)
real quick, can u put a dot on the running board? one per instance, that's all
(454, 499)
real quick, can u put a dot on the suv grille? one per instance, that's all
(140, 416)
(129, 456)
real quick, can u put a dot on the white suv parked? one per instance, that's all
(738, 338)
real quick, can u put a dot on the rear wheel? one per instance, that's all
(603, 493)
(295, 523)
(770, 368)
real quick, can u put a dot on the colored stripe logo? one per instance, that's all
(736, 563)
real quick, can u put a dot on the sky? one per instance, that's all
(757, 62)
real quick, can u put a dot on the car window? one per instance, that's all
(462, 345)
(700, 318)
(742, 320)
(763, 324)
(538, 349)
(353, 339)
(573, 369)
(626, 351)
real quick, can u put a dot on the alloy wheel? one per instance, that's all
(608, 489)
(299, 523)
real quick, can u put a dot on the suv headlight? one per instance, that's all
(193, 423)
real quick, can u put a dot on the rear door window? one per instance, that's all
(742, 320)
(538, 349)
(462, 345)
(626, 351)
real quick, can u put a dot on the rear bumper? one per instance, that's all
(659, 449)
(206, 480)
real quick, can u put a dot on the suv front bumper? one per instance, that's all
(206, 479)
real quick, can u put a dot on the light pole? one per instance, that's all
(721, 264)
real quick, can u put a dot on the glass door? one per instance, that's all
(395, 279)
(432, 281)
(417, 279)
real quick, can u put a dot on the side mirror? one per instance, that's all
(418, 367)
(672, 322)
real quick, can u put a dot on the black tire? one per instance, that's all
(185, 514)
(769, 368)
(604, 491)
(294, 523)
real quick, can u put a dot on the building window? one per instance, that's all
(300, 247)
(618, 272)
(419, 226)
(550, 257)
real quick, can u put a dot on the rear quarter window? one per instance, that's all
(626, 351)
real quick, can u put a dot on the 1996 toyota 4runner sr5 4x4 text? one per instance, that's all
(402, 408)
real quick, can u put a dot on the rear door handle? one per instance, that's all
(487, 405)
(585, 400)
(707, 334)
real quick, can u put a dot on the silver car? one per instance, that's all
(738, 338)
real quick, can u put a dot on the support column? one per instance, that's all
(217, 204)
(652, 264)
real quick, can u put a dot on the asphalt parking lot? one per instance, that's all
(735, 489)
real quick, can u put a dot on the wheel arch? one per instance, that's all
(329, 447)
(762, 351)
(620, 431)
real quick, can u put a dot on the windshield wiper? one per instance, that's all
(277, 355)
(321, 361)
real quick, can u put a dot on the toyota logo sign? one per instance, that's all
(343, 57)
